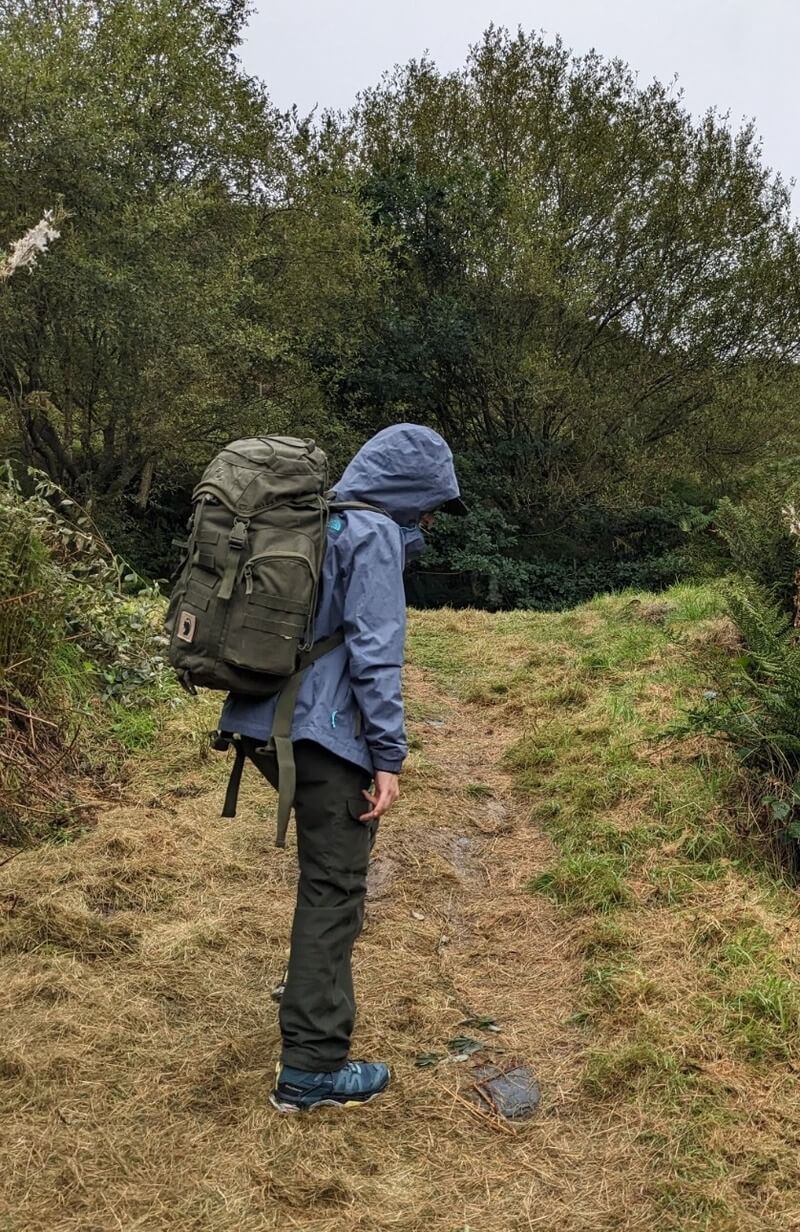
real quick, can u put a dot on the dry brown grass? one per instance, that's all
(136, 965)
(140, 1040)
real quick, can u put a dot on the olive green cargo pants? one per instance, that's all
(317, 1009)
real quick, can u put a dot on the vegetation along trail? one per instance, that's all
(557, 868)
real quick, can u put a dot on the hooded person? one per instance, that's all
(348, 733)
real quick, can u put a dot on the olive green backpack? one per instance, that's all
(241, 616)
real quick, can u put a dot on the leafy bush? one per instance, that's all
(481, 561)
(77, 629)
(762, 547)
(69, 574)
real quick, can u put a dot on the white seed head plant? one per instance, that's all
(25, 252)
(792, 518)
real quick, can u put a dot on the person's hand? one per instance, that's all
(387, 793)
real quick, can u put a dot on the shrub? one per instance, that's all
(762, 547)
(755, 706)
(77, 629)
(482, 561)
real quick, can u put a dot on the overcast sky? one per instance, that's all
(738, 55)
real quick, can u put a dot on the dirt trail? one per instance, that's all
(140, 1038)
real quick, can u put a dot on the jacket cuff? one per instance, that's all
(387, 765)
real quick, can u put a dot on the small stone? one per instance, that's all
(512, 1093)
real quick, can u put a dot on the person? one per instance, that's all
(349, 744)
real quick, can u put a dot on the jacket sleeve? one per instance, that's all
(374, 632)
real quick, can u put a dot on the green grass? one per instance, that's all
(433, 647)
(631, 1069)
(679, 924)
(589, 881)
(750, 946)
(479, 791)
(134, 730)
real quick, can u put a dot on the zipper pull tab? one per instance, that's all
(248, 580)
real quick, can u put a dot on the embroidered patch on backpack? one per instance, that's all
(187, 623)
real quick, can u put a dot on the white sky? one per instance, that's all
(740, 55)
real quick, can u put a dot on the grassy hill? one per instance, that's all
(563, 863)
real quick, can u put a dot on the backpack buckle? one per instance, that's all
(238, 536)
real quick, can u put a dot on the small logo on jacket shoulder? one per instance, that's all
(335, 525)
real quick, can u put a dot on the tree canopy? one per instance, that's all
(594, 296)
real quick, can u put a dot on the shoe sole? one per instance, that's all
(282, 1106)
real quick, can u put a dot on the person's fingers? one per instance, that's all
(381, 802)
(385, 801)
(379, 807)
(373, 800)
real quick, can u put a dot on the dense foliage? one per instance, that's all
(80, 655)
(593, 296)
(755, 703)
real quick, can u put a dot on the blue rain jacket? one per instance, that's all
(350, 700)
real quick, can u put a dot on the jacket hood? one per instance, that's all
(406, 469)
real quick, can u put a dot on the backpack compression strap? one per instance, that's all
(280, 741)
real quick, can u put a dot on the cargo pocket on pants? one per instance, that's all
(356, 809)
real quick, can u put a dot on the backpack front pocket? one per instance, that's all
(270, 613)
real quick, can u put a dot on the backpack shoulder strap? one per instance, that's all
(337, 506)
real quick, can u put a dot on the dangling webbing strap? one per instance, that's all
(281, 739)
(234, 782)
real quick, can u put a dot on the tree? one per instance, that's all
(166, 157)
(593, 295)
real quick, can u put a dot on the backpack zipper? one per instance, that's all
(254, 560)
(248, 586)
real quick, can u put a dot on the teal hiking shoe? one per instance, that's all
(358, 1082)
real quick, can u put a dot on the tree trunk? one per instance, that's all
(146, 483)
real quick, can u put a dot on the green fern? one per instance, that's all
(761, 545)
(756, 706)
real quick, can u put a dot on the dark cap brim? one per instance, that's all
(455, 507)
